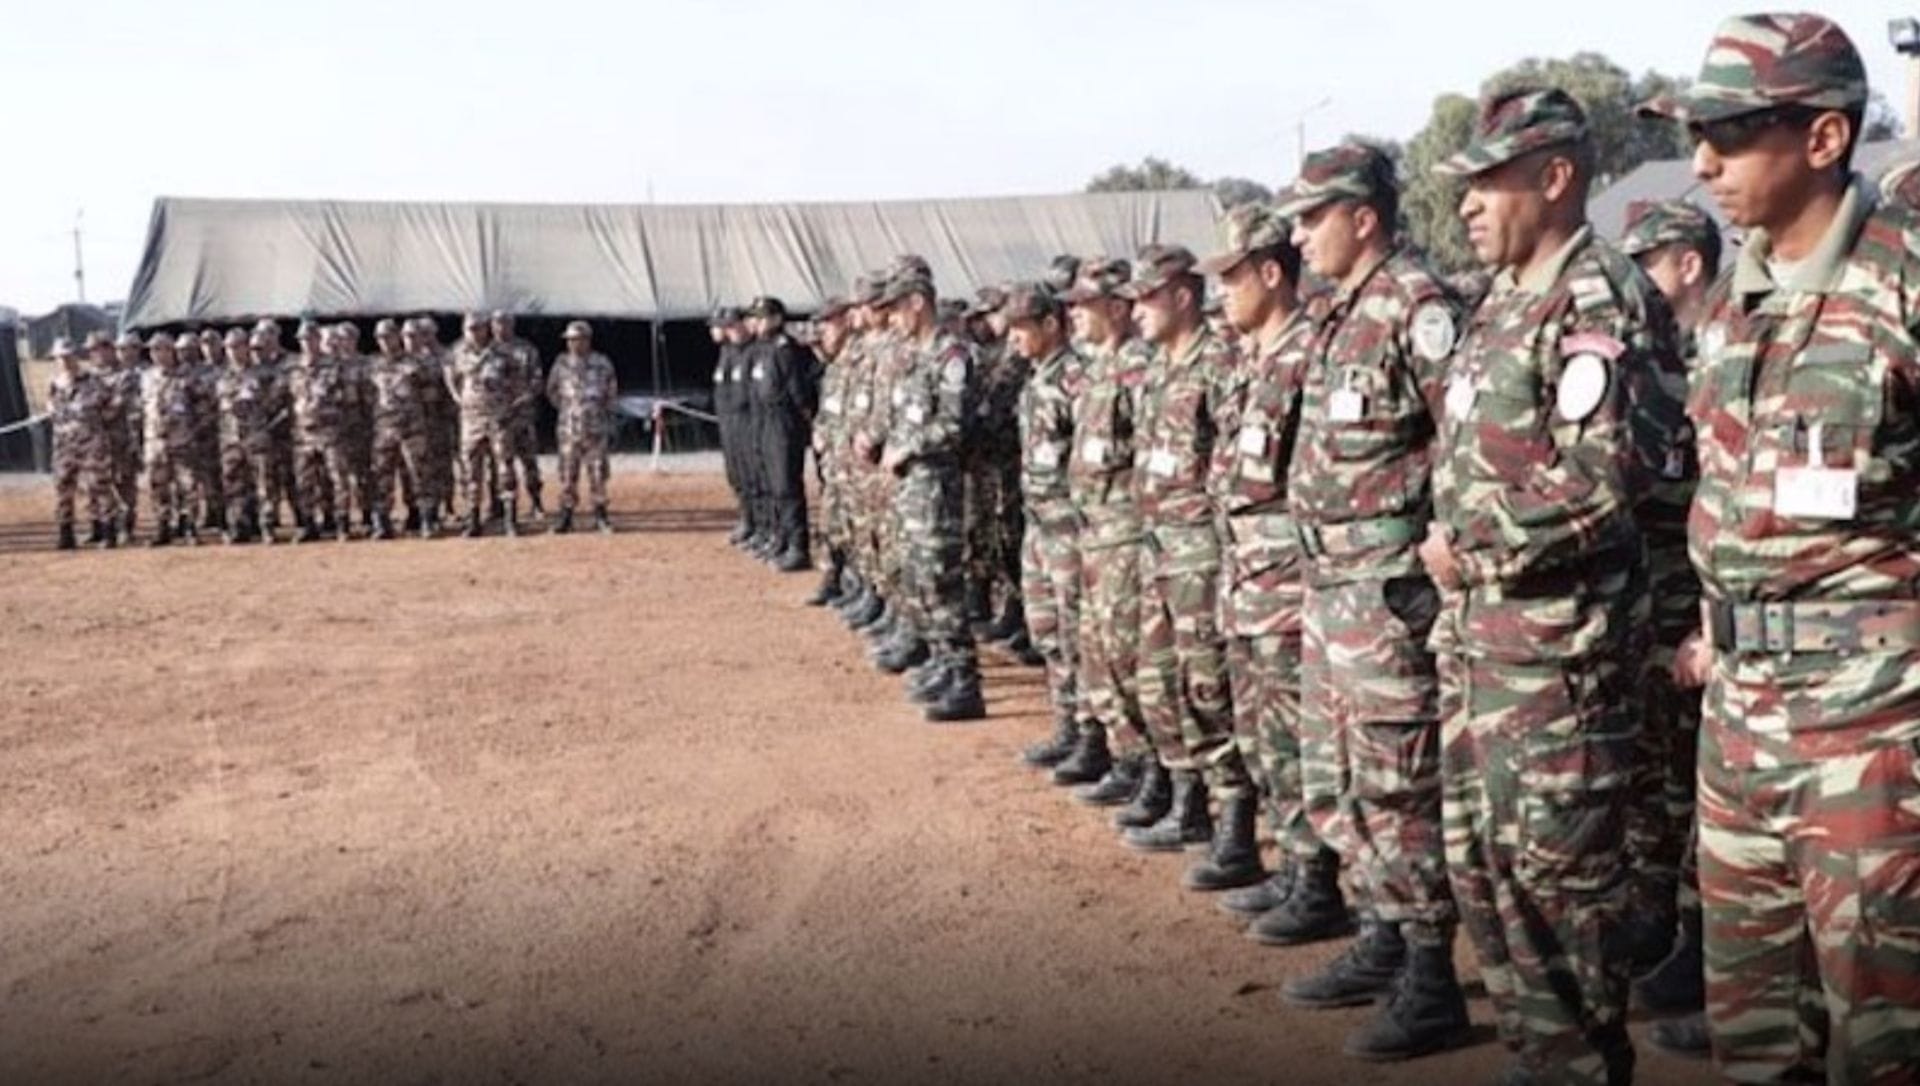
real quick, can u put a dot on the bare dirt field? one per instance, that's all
(582, 809)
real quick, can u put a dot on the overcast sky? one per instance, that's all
(111, 103)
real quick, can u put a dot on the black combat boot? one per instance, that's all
(1055, 748)
(602, 523)
(1362, 973)
(412, 523)
(930, 684)
(344, 530)
(879, 626)
(1234, 859)
(1262, 897)
(309, 530)
(472, 530)
(182, 526)
(1685, 1036)
(899, 655)
(1314, 910)
(190, 535)
(109, 535)
(741, 532)
(496, 508)
(830, 590)
(1186, 822)
(162, 535)
(1678, 984)
(1115, 788)
(979, 607)
(563, 525)
(1425, 1013)
(535, 509)
(64, 540)
(510, 521)
(1150, 799)
(94, 534)
(1089, 761)
(961, 699)
(1021, 646)
(793, 559)
(429, 523)
(1013, 620)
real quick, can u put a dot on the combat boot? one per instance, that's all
(1115, 787)
(900, 655)
(1013, 620)
(602, 523)
(1313, 911)
(1054, 749)
(1021, 646)
(429, 523)
(1678, 984)
(1362, 973)
(1262, 897)
(343, 532)
(1686, 1037)
(960, 700)
(189, 534)
(930, 684)
(535, 509)
(830, 590)
(93, 534)
(182, 525)
(1425, 1013)
(162, 536)
(309, 530)
(563, 525)
(794, 559)
(1185, 823)
(878, 624)
(109, 535)
(1149, 800)
(496, 508)
(64, 540)
(412, 523)
(472, 530)
(738, 537)
(1234, 859)
(1089, 761)
(510, 522)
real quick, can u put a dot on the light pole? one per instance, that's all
(1904, 34)
(1300, 132)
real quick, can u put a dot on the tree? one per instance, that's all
(1234, 191)
(1153, 174)
(1621, 140)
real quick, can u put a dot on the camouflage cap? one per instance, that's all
(987, 300)
(724, 316)
(307, 328)
(63, 348)
(235, 337)
(767, 305)
(267, 325)
(1515, 123)
(1248, 229)
(909, 264)
(386, 326)
(1030, 302)
(97, 339)
(208, 335)
(577, 330)
(901, 286)
(348, 329)
(1157, 266)
(1099, 279)
(1655, 223)
(1758, 62)
(160, 341)
(866, 288)
(1351, 171)
(952, 309)
(833, 309)
(186, 341)
(1061, 273)
(127, 339)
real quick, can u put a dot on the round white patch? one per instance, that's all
(1712, 341)
(1583, 384)
(1433, 332)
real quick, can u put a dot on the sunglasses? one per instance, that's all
(1736, 134)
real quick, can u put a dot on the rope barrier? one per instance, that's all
(22, 424)
(660, 409)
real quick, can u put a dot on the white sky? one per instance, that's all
(111, 103)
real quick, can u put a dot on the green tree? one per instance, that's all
(1605, 90)
(1153, 174)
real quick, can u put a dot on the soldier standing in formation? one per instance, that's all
(485, 382)
(170, 410)
(249, 397)
(829, 443)
(83, 412)
(525, 409)
(582, 389)
(730, 407)
(782, 391)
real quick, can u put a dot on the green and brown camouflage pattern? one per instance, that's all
(1050, 567)
(1655, 224)
(1350, 171)
(1515, 123)
(1758, 62)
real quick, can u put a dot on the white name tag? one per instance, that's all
(1346, 405)
(1460, 397)
(1163, 462)
(1253, 440)
(1046, 455)
(863, 401)
(759, 373)
(916, 414)
(1817, 493)
(719, 375)
(1094, 450)
(831, 405)
(899, 396)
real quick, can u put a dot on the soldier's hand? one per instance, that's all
(893, 461)
(1436, 553)
(1693, 662)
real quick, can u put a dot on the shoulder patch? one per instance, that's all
(953, 371)
(1433, 332)
(1583, 386)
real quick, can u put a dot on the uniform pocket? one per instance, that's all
(1579, 754)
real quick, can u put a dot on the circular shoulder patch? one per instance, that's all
(1712, 341)
(1433, 332)
(1583, 385)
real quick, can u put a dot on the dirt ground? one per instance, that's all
(568, 809)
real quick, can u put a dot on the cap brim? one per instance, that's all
(1220, 263)
(1694, 109)
(1292, 207)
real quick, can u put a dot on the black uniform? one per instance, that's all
(730, 407)
(784, 388)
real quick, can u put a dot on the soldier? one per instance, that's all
(171, 411)
(864, 481)
(921, 448)
(1259, 272)
(271, 358)
(994, 525)
(1535, 544)
(733, 407)
(1102, 477)
(129, 371)
(401, 386)
(82, 414)
(484, 382)
(582, 389)
(830, 450)
(204, 463)
(1678, 246)
(345, 344)
(784, 392)
(1802, 532)
(249, 396)
(527, 407)
(897, 637)
(1183, 674)
(102, 364)
(324, 398)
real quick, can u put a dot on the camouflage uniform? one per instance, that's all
(250, 396)
(401, 386)
(1360, 493)
(275, 363)
(1537, 480)
(325, 396)
(1184, 689)
(526, 411)
(171, 409)
(124, 379)
(1050, 574)
(892, 362)
(206, 367)
(995, 551)
(484, 382)
(831, 453)
(582, 389)
(1802, 530)
(357, 434)
(82, 412)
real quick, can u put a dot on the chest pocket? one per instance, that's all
(1836, 388)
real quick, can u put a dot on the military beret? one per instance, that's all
(1516, 123)
(1248, 228)
(1351, 171)
(578, 330)
(1031, 302)
(1099, 279)
(1652, 224)
(1757, 62)
(767, 306)
(1157, 266)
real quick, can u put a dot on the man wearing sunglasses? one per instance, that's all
(1803, 531)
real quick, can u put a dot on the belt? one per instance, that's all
(1354, 536)
(1769, 628)
(1277, 527)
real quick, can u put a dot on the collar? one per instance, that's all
(1820, 272)
(1542, 279)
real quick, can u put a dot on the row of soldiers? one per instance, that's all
(1581, 614)
(230, 428)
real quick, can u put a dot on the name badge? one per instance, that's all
(719, 375)
(916, 414)
(1094, 450)
(1460, 396)
(831, 405)
(1346, 405)
(1816, 491)
(1253, 440)
(899, 396)
(863, 401)
(1046, 455)
(759, 372)
(1163, 462)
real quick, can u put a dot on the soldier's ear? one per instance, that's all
(1693, 267)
